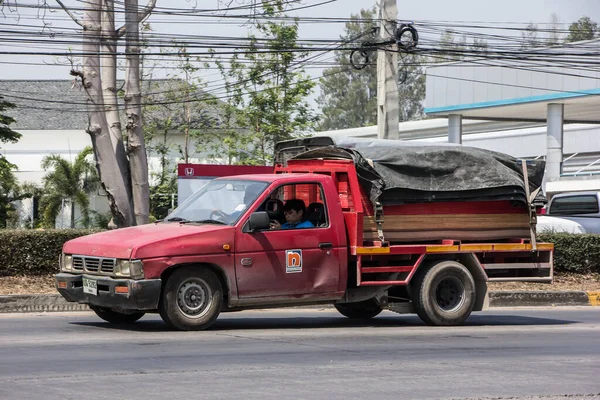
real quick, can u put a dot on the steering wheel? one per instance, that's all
(220, 216)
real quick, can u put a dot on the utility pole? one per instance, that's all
(387, 74)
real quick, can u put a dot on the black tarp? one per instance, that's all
(397, 172)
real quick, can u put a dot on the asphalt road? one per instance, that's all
(304, 354)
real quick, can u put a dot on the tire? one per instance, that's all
(192, 299)
(115, 317)
(362, 310)
(444, 294)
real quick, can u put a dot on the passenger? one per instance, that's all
(294, 211)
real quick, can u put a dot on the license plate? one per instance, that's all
(90, 286)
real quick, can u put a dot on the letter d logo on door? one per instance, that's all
(293, 261)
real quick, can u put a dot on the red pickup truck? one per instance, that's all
(216, 252)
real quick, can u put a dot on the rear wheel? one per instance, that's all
(115, 317)
(362, 310)
(444, 293)
(192, 299)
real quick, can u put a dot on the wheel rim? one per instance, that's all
(194, 298)
(450, 294)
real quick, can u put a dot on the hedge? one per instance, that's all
(36, 252)
(574, 253)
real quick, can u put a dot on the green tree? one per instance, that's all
(68, 183)
(7, 134)
(348, 96)
(9, 188)
(9, 191)
(267, 91)
(163, 195)
(583, 29)
(178, 105)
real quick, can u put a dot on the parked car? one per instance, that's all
(580, 207)
(547, 224)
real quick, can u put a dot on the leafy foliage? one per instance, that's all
(9, 192)
(348, 97)
(9, 189)
(583, 29)
(7, 134)
(161, 196)
(267, 92)
(574, 253)
(34, 252)
(178, 105)
(67, 182)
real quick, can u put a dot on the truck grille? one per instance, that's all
(94, 264)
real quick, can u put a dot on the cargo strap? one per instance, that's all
(379, 222)
(530, 207)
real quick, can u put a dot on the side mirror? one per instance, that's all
(259, 220)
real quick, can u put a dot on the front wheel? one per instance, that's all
(444, 294)
(115, 317)
(362, 310)
(192, 299)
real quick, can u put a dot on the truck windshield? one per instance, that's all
(221, 200)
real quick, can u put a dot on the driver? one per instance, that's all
(294, 211)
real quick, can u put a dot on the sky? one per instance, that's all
(505, 13)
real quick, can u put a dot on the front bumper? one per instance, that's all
(141, 295)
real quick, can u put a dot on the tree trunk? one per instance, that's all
(108, 69)
(112, 178)
(138, 163)
(72, 213)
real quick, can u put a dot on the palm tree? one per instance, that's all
(70, 182)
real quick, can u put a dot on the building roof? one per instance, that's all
(61, 104)
(45, 104)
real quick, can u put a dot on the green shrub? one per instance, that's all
(34, 252)
(574, 253)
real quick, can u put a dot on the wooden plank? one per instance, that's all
(445, 221)
(457, 234)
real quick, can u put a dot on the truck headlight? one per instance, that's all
(129, 268)
(66, 263)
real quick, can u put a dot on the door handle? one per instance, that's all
(325, 245)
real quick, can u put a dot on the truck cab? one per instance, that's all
(580, 207)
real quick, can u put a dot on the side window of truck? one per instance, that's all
(572, 205)
(310, 194)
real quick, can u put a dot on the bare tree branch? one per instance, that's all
(142, 15)
(73, 17)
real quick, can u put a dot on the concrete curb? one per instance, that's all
(38, 303)
(55, 302)
(543, 299)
